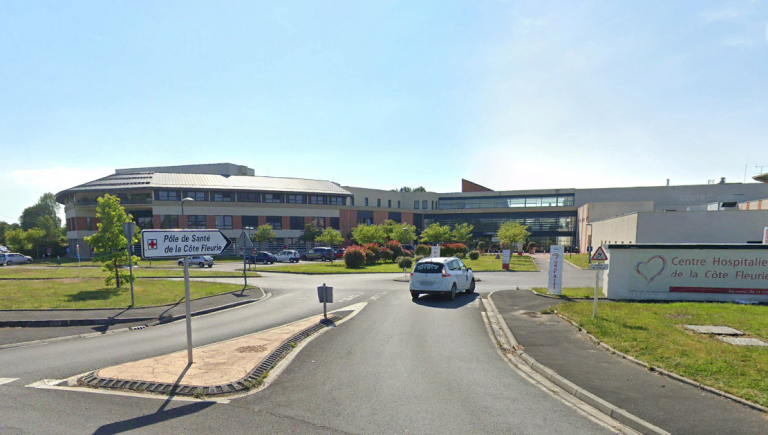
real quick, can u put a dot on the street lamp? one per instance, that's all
(186, 294)
(405, 274)
(589, 244)
(187, 199)
(249, 238)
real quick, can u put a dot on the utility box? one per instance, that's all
(325, 294)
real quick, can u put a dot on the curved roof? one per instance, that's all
(158, 180)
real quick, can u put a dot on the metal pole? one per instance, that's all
(130, 268)
(189, 310)
(245, 277)
(597, 283)
(325, 301)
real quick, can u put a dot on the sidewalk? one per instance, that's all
(671, 405)
(89, 317)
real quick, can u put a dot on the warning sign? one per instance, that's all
(599, 255)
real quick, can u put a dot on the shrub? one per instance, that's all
(460, 255)
(354, 257)
(407, 253)
(386, 254)
(480, 247)
(418, 258)
(474, 255)
(375, 248)
(404, 262)
(422, 250)
(396, 248)
(446, 250)
(370, 257)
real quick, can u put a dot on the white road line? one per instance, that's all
(349, 298)
(376, 296)
(7, 380)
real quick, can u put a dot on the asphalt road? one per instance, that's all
(397, 367)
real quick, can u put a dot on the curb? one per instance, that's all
(135, 278)
(52, 323)
(663, 372)
(566, 298)
(612, 411)
(252, 380)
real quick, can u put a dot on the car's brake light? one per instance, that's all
(445, 272)
(411, 273)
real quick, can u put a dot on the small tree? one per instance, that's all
(310, 234)
(16, 240)
(365, 234)
(512, 232)
(481, 246)
(462, 233)
(403, 233)
(109, 243)
(436, 233)
(330, 237)
(263, 234)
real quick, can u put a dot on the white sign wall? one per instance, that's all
(555, 286)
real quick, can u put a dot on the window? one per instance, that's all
(296, 199)
(424, 204)
(167, 195)
(416, 205)
(364, 217)
(395, 216)
(224, 222)
(297, 222)
(352, 201)
(366, 202)
(273, 197)
(335, 223)
(378, 202)
(89, 224)
(196, 195)
(222, 196)
(319, 222)
(250, 221)
(336, 200)
(398, 203)
(389, 203)
(145, 223)
(276, 222)
(169, 221)
(316, 199)
(196, 222)
(248, 197)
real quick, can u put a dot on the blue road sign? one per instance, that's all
(589, 249)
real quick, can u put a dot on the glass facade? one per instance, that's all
(506, 202)
(553, 224)
(196, 222)
(224, 222)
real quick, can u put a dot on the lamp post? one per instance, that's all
(589, 244)
(405, 274)
(186, 293)
(248, 229)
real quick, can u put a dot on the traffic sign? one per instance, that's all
(599, 255)
(589, 248)
(182, 243)
(243, 241)
(598, 266)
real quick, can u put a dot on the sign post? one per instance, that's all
(175, 243)
(555, 269)
(129, 228)
(77, 247)
(245, 243)
(434, 252)
(599, 255)
(765, 236)
(325, 295)
(505, 259)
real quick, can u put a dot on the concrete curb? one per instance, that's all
(253, 379)
(566, 298)
(143, 277)
(663, 372)
(618, 414)
(53, 323)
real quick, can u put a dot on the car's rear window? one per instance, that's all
(429, 268)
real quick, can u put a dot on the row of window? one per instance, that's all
(226, 196)
(224, 222)
(506, 202)
(490, 224)
(424, 204)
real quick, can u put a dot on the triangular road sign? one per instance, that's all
(599, 255)
(244, 242)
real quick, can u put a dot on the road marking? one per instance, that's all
(349, 298)
(376, 296)
(7, 380)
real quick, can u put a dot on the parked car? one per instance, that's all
(200, 261)
(4, 250)
(288, 256)
(262, 257)
(407, 247)
(441, 275)
(14, 258)
(322, 254)
(340, 253)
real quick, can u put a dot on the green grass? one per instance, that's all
(573, 292)
(91, 293)
(653, 333)
(484, 263)
(578, 260)
(143, 263)
(91, 272)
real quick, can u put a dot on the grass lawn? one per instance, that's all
(578, 260)
(653, 333)
(484, 263)
(91, 272)
(573, 292)
(91, 293)
(143, 263)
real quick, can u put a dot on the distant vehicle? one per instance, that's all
(288, 256)
(340, 253)
(441, 275)
(407, 247)
(200, 261)
(262, 257)
(14, 258)
(322, 254)
(3, 249)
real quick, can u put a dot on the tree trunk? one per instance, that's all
(117, 273)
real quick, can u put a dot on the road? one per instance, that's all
(399, 366)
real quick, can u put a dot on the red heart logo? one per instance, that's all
(651, 271)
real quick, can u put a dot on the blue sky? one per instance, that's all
(512, 95)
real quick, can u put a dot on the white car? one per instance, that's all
(200, 261)
(288, 256)
(13, 258)
(443, 276)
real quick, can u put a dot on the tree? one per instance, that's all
(364, 234)
(419, 189)
(330, 237)
(512, 232)
(436, 233)
(5, 226)
(403, 233)
(263, 234)
(462, 233)
(406, 189)
(109, 243)
(46, 206)
(16, 239)
(310, 233)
